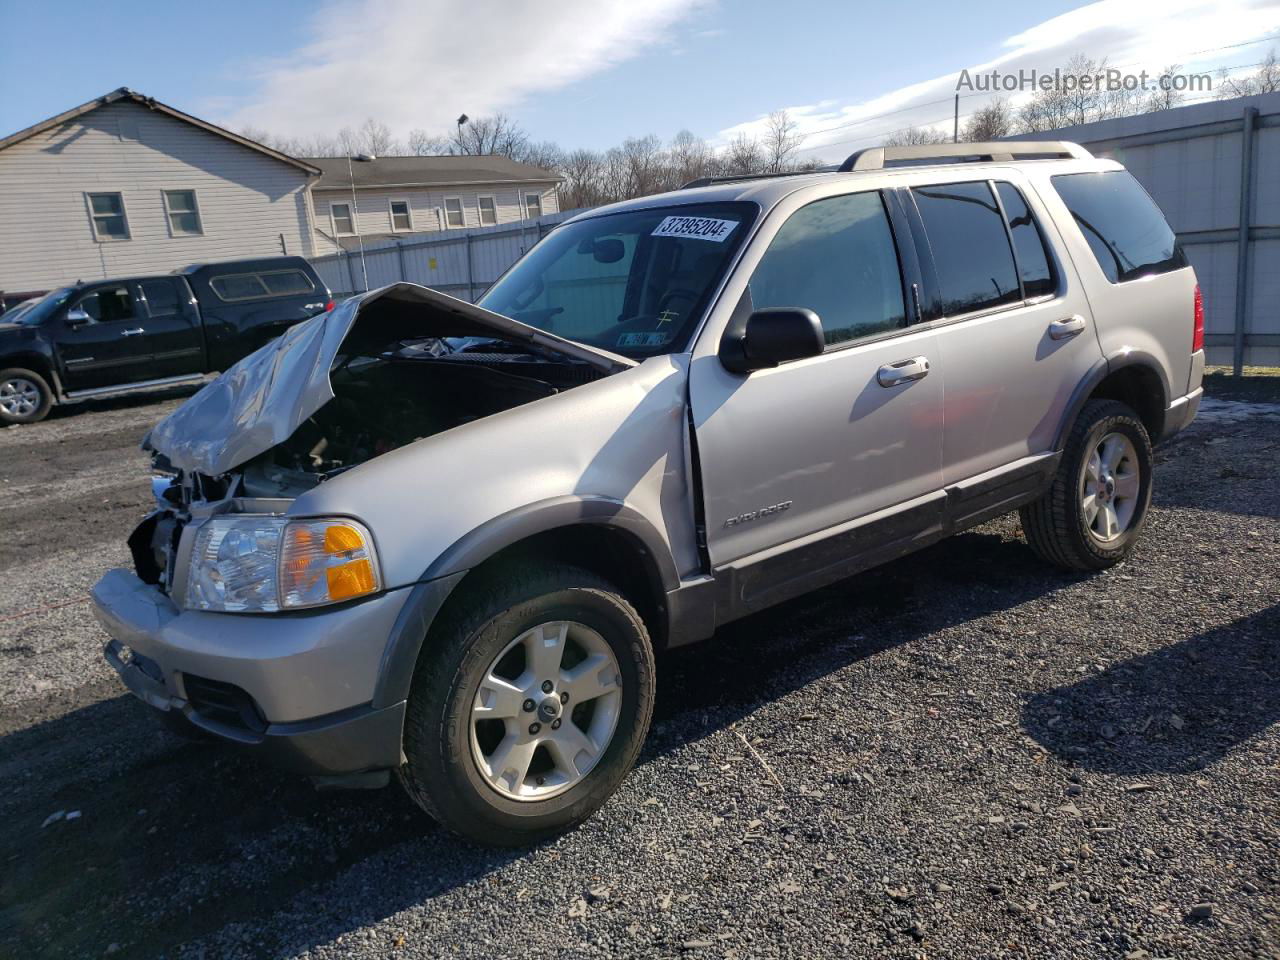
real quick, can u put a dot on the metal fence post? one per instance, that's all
(351, 275)
(400, 252)
(1242, 244)
(471, 285)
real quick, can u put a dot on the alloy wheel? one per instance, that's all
(19, 397)
(1109, 487)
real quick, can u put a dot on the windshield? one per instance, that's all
(41, 310)
(634, 283)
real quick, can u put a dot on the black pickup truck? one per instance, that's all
(115, 336)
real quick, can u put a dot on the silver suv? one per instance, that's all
(445, 540)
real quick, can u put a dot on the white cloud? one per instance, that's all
(419, 63)
(1131, 34)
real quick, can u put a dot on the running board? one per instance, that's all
(95, 392)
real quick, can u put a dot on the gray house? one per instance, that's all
(376, 199)
(124, 184)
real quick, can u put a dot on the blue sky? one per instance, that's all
(583, 72)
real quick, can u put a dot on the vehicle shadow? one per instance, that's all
(180, 844)
(1216, 690)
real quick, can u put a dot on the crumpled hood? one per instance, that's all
(260, 401)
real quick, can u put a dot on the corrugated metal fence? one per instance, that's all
(461, 263)
(1214, 168)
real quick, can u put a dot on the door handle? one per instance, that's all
(1066, 327)
(892, 374)
(313, 306)
(131, 333)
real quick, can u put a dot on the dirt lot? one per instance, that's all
(963, 754)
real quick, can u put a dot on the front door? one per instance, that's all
(172, 332)
(101, 340)
(818, 461)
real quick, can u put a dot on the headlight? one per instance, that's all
(259, 564)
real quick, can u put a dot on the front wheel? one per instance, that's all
(1092, 514)
(25, 396)
(529, 706)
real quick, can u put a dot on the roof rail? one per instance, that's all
(877, 158)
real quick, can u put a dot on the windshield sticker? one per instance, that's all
(700, 228)
(653, 339)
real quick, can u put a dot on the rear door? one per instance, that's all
(105, 347)
(1015, 332)
(172, 332)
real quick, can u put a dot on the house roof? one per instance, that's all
(425, 172)
(124, 93)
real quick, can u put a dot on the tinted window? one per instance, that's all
(162, 297)
(287, 282)
(1028, 243)
(970, 249)
(244, 286)
(1125, 229)
(835, 257)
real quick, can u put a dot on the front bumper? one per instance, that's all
(302, 682)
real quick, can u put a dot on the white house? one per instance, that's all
(124, 185)
(364, 199)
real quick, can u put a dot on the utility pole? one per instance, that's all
(355, 220)
(955, 125)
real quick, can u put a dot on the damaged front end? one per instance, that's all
(377, 373)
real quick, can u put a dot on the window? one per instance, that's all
(635, 282)
(108, 304)
(453, 212)
(970, 248)
(340, 214)
(1034, 268)
(161, 297)
(533, 204)
(400, 218)
(109, 220)
(184, 216)
(1125, 229)
(261, 286)
(488, 211)
(837, 258)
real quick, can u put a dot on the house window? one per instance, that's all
(453, 212)
(400, 217)
(109, 220)
(184, 215)
(533, 204)
(488, 211)
(343, 225)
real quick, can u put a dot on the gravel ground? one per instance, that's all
(962, 754)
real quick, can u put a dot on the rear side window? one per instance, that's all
(1125, 229)
(161, 297)
(970, 248)
(837, 258)
(1034, 266)
(261, 286)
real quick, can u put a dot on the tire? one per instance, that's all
(1058, 526)
(25, 396)
(452, 757)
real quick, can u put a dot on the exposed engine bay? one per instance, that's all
(408, 392)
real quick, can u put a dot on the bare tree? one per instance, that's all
(743, 155)
(911, 136)
(374, 137)
(498, 134)
(546, 154)
(1266, 79)
(781, 141)
(691, 157)
(424, 144)
(991, 122)
(1165, 96)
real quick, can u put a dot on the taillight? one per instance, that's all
(1197, 330)
(330, 305)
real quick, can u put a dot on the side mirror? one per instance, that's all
(77, 317)
(773, 336)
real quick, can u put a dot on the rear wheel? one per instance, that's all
(1092, 514)
(529, 706)
(25, 396)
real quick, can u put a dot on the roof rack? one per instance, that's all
(877, 158)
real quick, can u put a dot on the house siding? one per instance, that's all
(247, 200)
(426, 209)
